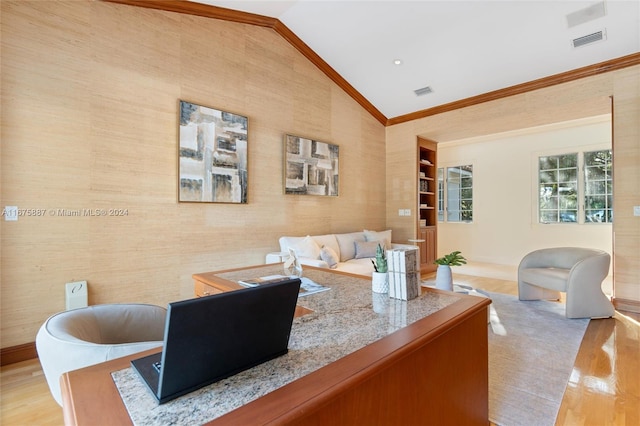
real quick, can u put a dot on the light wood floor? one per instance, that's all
(604, 388)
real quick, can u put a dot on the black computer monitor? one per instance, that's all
(210, 338)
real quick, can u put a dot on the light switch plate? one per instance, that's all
(636, 210)
(76, 295)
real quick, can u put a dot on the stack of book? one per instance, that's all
(404, 273)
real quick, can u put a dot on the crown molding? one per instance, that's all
(588, 71)
(200, 9)
(208, 11)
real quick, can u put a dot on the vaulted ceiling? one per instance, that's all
(457, 49)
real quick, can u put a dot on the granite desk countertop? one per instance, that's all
(346, 318)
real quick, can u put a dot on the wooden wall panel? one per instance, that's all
(90, 94)
(626, 151)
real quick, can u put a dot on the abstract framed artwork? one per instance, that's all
(311, 167)
(212, 155)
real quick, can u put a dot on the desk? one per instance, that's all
(434, 370)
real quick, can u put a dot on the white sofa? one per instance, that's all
(351, 252)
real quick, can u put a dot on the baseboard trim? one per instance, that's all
(18, 353)
(626, 305)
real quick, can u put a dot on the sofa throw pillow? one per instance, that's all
(307, 248)
(366, 249)
(384, 237)
(347, 244)
(330, 256)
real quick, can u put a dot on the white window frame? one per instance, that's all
(580, 150)
(442, 215)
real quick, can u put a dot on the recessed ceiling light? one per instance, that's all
(397, 61)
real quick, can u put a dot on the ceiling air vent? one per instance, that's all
(587, 14)
(423, 91)
(588, 39)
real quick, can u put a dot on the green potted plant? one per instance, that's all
(379, 278)
(444, 279)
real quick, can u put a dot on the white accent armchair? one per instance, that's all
(543, 274)
(86, 336)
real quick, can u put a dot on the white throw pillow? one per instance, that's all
(366, 249)
(384, 237)
(328, 240)
(307, 248)
(330, 256)
(347, 244)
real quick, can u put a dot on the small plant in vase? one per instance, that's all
(444, 279)
(380, 264)
(379, 279)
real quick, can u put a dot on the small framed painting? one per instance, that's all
(212, 155)
(311, 167)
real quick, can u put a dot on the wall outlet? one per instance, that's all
(407, 212)
(76, 295)
(636, 210)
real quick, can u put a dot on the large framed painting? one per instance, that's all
(212, 155)
(311, 167)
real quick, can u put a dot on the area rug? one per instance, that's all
(532, 350)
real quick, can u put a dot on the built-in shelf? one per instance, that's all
(427, 218)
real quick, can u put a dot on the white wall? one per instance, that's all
(505, 224)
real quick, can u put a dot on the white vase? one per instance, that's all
(379, 282)
(444, 279)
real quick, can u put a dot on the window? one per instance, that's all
(564, 192)
(440, 194)
(558, 183)
(455, 194)
(598, 192)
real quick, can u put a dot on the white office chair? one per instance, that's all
(86, 336)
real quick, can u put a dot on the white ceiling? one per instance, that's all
(458, 48)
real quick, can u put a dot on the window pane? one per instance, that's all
(548, 216)
(569, 188)
(549, 203)
(549, 176)
(597, 216)
(558, 188)
(568, 161)
(595, 172)
(459, 193)
(440, 194)
(568, 175)
(598, 187)
(568, 203)
(547, 190)
(595, 202)
(568, 215)
(548, 163)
